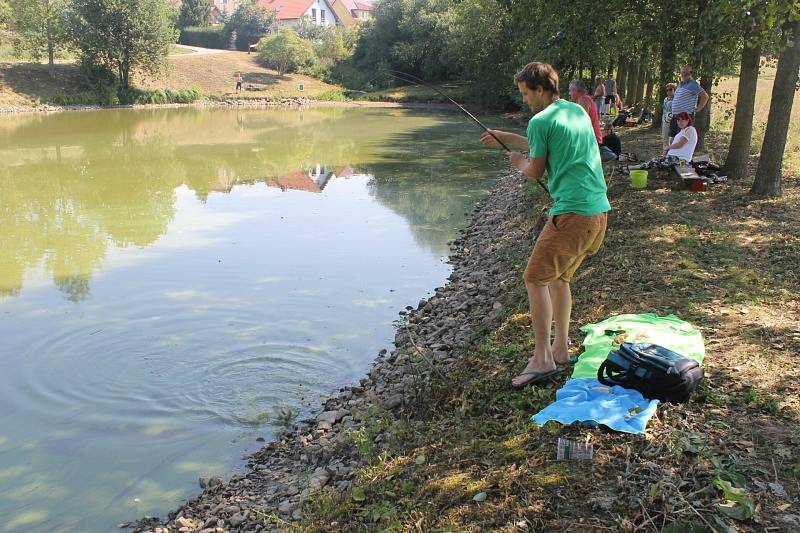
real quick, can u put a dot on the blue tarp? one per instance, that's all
(586, 399)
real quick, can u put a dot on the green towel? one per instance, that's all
(668, 331)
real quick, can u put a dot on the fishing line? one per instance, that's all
(410, 78)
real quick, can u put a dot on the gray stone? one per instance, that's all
(236, 520)
(392, 402)
(286, 507)
(319, 479)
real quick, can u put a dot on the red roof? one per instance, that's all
(287, 9)
(357, 4)
(296, 181)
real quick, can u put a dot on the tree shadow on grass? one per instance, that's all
(262, 78)
(33, 80)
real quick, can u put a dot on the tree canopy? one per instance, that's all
(123, 35)
(194, 13)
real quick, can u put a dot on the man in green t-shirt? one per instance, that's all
(562, 142)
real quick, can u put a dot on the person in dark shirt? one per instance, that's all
(610, 140)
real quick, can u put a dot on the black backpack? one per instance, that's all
(655, 371)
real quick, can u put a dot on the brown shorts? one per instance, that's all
(563, 244)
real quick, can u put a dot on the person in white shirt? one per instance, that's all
(681, 148)
(685, 141)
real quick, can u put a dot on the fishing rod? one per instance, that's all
(410, 78)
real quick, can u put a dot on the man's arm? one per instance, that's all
(532, 167)
(702, 100)
(507, 138)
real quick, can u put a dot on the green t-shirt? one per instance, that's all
(563, 133)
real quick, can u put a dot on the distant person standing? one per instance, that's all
(610, 90)
(689, 98)
(577, 92)
(666, 116)
(239, 81)
(599, 93)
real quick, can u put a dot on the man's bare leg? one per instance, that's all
(561, 299)
(542, 318)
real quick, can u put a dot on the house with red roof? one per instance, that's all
(322, 12)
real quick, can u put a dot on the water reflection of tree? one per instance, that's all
(432, 178)
(74, 182)
(69, 201)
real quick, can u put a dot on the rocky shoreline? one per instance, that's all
(484, 286)
(225, 103)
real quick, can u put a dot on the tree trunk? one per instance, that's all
(703, 118)
(739, 150)
(591, 81)
(666, 71)
(50, 49)
(650, 83)
(622, 76)
(610, 69)
(633, 80)
(768, 175)
(643, 64)
(642, 75)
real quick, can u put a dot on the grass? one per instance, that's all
(178, 50)
(212, 74)
(414, 93)
(215, 74)
(726, 265)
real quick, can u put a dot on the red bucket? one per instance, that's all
(698, 185)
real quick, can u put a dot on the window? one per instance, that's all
(314, 14)
(322, 16)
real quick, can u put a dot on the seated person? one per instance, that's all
(681, 148)
(611, 141)
(685, 141)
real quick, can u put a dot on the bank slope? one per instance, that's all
(435, 439)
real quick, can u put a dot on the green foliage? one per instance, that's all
(194, 13)
(39, 27)
(124, 35)
(204, 36)
(310, 30)
(5, 14)
(250, 22)
(285, 51)
(81, 98)
(737, 503)
(113, 95)
(373, 422)
(133, 95)
(332, 95)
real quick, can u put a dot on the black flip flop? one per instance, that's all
(537, 377)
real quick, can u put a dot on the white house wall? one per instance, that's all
(319, 5)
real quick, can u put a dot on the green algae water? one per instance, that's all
(169, 278)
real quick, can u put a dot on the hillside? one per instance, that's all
(213, 71)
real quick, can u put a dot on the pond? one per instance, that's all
(170, 279)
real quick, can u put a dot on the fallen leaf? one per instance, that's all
(480, 497)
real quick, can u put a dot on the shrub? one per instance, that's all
(285, 51)
(332, 95)
(204, 36)
(132, 95)
(81, 98)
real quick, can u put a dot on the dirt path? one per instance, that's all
(196, 50)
